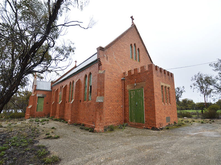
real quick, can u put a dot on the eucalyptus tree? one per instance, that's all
(203, 83)
(28, 33)
(179, 92)
(217, 68)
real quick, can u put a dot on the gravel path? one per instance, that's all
(194, 144)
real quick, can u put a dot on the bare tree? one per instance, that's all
(28, 33)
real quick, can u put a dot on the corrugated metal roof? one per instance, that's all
(79, 67)
(43, 85)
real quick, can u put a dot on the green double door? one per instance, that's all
(40, 104)
(136, 105)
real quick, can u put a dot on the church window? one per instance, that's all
(162, 93)
(135, 56)
(85, 88)
(131, 51)
(72, 95)
(166, 94)
(69, 92)
(138, 55)
(60, 94)
(90, 85)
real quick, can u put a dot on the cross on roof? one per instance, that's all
(132, 19)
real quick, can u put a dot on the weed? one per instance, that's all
(82, 127)
(42, 152)
(91, 130)
(37, 120)
(82, 124)
(167, 128)
(2, 153)
(56, 137)
(3, 148)
(111, 128)
(48, 137)
(86, 128)
(53, 128)
(47, 133)
(51, 159)
(202, 122)
(75, 124)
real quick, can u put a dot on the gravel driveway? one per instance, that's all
(193, 144)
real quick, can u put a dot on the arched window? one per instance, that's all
(69, 92)
(165, 94)
(168, 95)
(131, 51)
(72, 95)
(85, 88)
(162, 93)
(138, 55)
(135, 56)
(90, 86)
(60, 94)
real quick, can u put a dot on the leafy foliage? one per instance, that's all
(29, 30)
(179, 93)
(214, 107)
(217, 68)
(204, 84)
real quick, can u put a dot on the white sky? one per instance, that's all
(176, 33)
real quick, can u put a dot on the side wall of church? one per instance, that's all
(71, 102)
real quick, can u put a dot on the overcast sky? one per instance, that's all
(176, 33)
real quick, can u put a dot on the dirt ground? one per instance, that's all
(193, 144)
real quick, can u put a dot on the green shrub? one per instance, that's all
(214, 107)
(16, 115)
(91, 129)
(42, 152)
(56, 137)
(2, 153)
(184, 114)
(51, 159)
(211, 114)
(111, 128)
(82, 127)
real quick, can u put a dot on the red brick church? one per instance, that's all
(118, 84)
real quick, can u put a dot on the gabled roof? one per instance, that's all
(124, 33)
(43, 85)
(77, 69)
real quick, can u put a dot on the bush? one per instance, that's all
(16, 115)
(214, 107)
(111, 128)
(184, 114)
(211, 114)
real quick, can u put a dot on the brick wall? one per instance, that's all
(76, 110)
(115, 59)
(155, 111)
(32, 106)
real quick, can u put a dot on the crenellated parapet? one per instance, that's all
(149, 68)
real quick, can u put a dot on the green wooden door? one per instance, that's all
(40, 104)
(136, 104)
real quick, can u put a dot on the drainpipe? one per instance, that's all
(123, 95)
